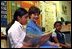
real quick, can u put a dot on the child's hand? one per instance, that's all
(54, 44)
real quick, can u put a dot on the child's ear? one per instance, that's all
(18, 18)
(32, 15)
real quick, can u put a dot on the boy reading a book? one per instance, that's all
(33, 28)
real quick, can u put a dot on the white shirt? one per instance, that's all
(16, 35)
(55, 35)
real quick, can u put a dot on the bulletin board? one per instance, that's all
(50, 16)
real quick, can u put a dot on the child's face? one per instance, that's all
(35, 17)
(23, 19)
(58, 26)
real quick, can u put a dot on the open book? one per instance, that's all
(36, 39)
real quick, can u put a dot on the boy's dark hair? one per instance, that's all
(57, 22)
(33, 10)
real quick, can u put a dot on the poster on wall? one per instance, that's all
(48, 15)
(64, 9)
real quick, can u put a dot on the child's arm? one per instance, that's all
(44, 38)
(55, 39)
(63, 45)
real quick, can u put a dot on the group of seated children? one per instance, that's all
(17, 34)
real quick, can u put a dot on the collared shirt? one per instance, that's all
(55, 35)
(33, 28)
(16, 35)
(60, 36)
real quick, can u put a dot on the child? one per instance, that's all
(33, 28)
(16, 33)
(58, 36)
